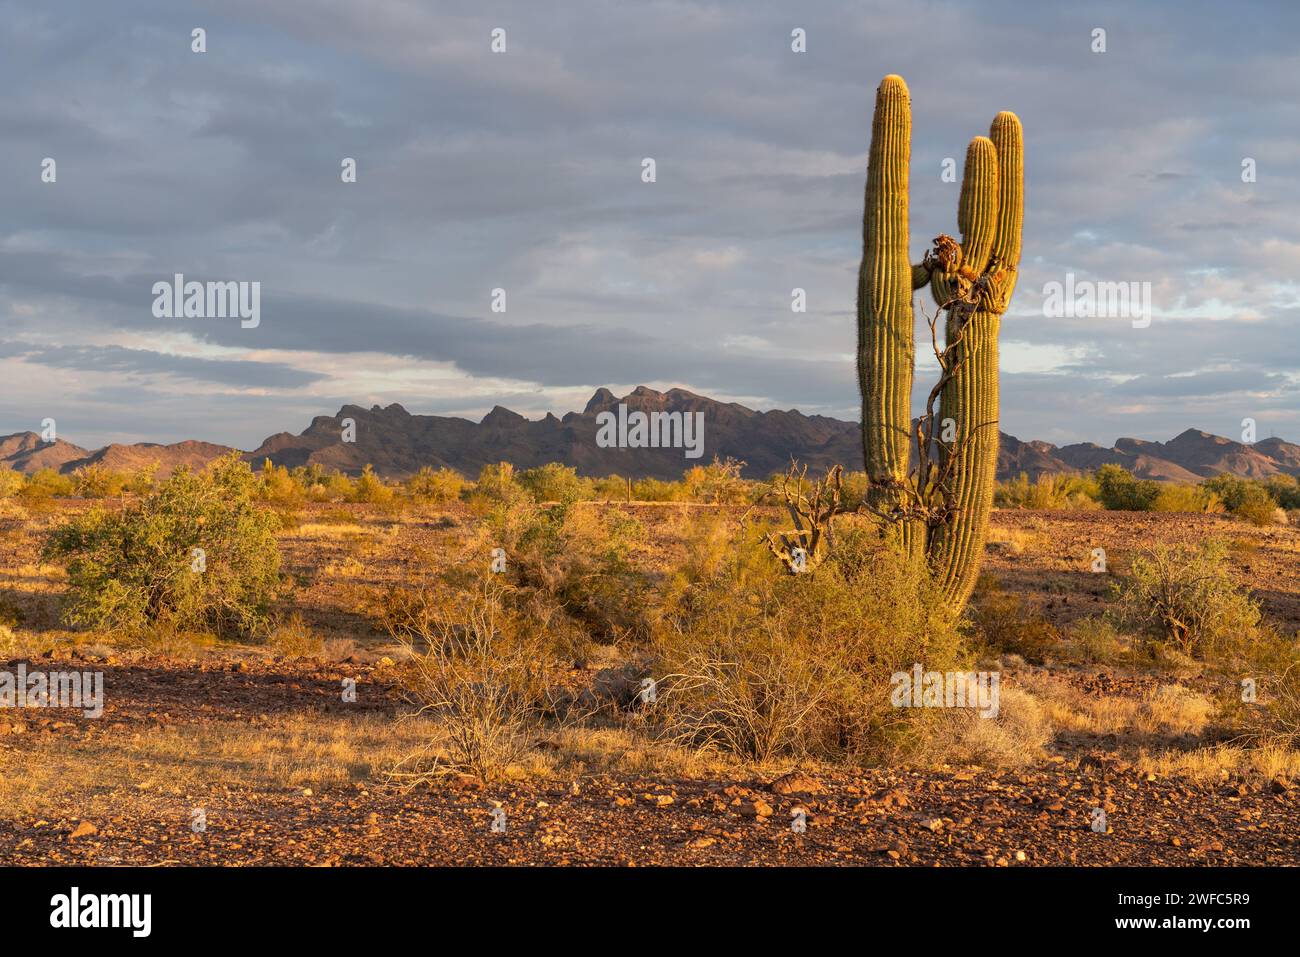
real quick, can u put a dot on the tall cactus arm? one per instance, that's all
(1008, 140)
(885, 283)
(977, 218)
(991, 214)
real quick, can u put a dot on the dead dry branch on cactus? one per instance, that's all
(812, 506)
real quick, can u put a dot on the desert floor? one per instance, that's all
(260, 746)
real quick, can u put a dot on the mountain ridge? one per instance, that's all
(398, 443)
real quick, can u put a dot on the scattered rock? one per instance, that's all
(84, 829)
(796, 782)
(893, 798)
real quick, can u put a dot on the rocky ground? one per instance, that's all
(1049, 814)
(239, 756)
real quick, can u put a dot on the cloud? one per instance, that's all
(142, 362)
(521, 170)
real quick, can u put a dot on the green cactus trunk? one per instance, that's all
(885, 350)
(945, 518)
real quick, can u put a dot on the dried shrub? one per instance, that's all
(1186, 598)
(1005, 622)
(485, 674)
(763, 664)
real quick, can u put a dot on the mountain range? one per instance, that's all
(398, 444)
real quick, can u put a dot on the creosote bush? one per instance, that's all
(1186, 598)
(96, 481)
(580, 559)
(439, 486)
(1118, 490)
(1047, 491)
(195, 553)
(554, 482)
(1248, 500)
(763, 665)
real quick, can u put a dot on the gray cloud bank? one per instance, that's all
(521, 171)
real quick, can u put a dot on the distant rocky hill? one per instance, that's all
(26, 452)
(398, 444)
(1189, 457)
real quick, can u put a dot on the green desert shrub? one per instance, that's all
(1186, 599)
(554, 482)
(657, 490)
(142, 480)
(853, 492)
(338, 488)
(762, 664)
(278, 486)
(1118, 490)
(611, 488)
(1245, 498)
(194, 553)
(1285, 489)
(718, 483)
(47, 483)
(439, 486)
(11, 482)
(1046, 491)
(486, 674)
(497, 483)
(1257, 507)
(1004, 622)
(370, 489)
(1185, 498)
(580, 560)
(1096, 640)
(96, 481)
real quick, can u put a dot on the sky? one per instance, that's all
(522, 171)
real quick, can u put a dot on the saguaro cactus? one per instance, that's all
(934, 479)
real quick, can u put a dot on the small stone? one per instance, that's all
(84, 829)
(796, 782)
(892, 798)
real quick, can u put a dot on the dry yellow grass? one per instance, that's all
(186, 762)
(1167, 710)
(1014, 541)
(1214, 764)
